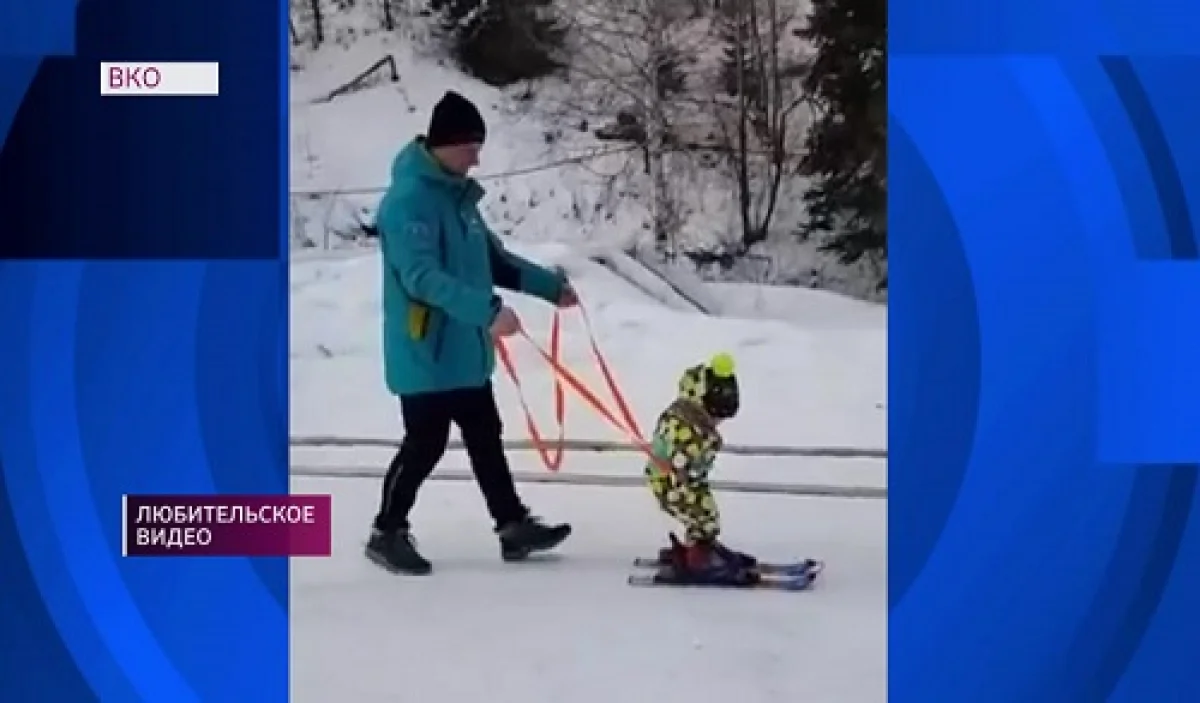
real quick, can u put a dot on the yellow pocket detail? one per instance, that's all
(418, 321)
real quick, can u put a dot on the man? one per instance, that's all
(440, 315)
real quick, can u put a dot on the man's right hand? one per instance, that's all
(506, 323)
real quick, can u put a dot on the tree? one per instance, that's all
(762, 82)
(846, 147)
(501, 42)
(626, 64)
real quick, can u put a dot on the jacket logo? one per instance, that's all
(416, 229)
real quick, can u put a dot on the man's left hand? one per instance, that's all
(568, 298)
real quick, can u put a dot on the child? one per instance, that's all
(686, 443)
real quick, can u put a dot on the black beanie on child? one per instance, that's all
(455, 120)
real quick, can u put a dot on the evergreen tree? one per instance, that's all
(502, 41)
(740, 69)
(670, 76)
(846, 147)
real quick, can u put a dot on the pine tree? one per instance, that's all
(756, 126)
(501, 41)
(670, 78)
(739, 69)
(846, 147)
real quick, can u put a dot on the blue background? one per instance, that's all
(89, 177)
(143, 328)
(1045, 399)
(1044, 351)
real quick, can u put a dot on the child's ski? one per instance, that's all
(804, 566)
(780, 582)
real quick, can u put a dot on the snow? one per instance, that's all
(813, 372)
(547, 177)
(349, 144)
(570, 630)
(803, 386)
(810, 309)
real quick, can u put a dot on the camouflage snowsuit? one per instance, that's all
(686, 439)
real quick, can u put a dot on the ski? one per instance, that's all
(795, 582)
(805, 566)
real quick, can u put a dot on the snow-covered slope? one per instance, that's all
(548, 178)
(348, 145)
(819, 384)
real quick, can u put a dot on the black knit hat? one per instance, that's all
(455, 120)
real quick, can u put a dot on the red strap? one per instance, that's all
(628, 415)
(553, 461)
(627, 424)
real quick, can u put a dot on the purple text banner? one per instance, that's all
(227, 525)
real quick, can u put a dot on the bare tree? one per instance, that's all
(648, 71)
(760, 111)
(306, 23)
(626, 72)
(317, 24)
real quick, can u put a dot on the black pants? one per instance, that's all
(427, 419)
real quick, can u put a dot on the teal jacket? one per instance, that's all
(441, 266)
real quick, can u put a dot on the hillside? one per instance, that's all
(548, 176)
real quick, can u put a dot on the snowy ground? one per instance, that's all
(817, 385)
(813, 373)
(569, 630)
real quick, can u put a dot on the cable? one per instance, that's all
(578, 159)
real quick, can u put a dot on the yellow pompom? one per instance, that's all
(721, 365)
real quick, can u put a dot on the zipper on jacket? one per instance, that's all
(439, 338)
(443, 259)
(483, 347)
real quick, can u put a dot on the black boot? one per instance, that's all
(699, 563)
(397, 552)
(733, 556)
(524, 537)
(667, 556)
